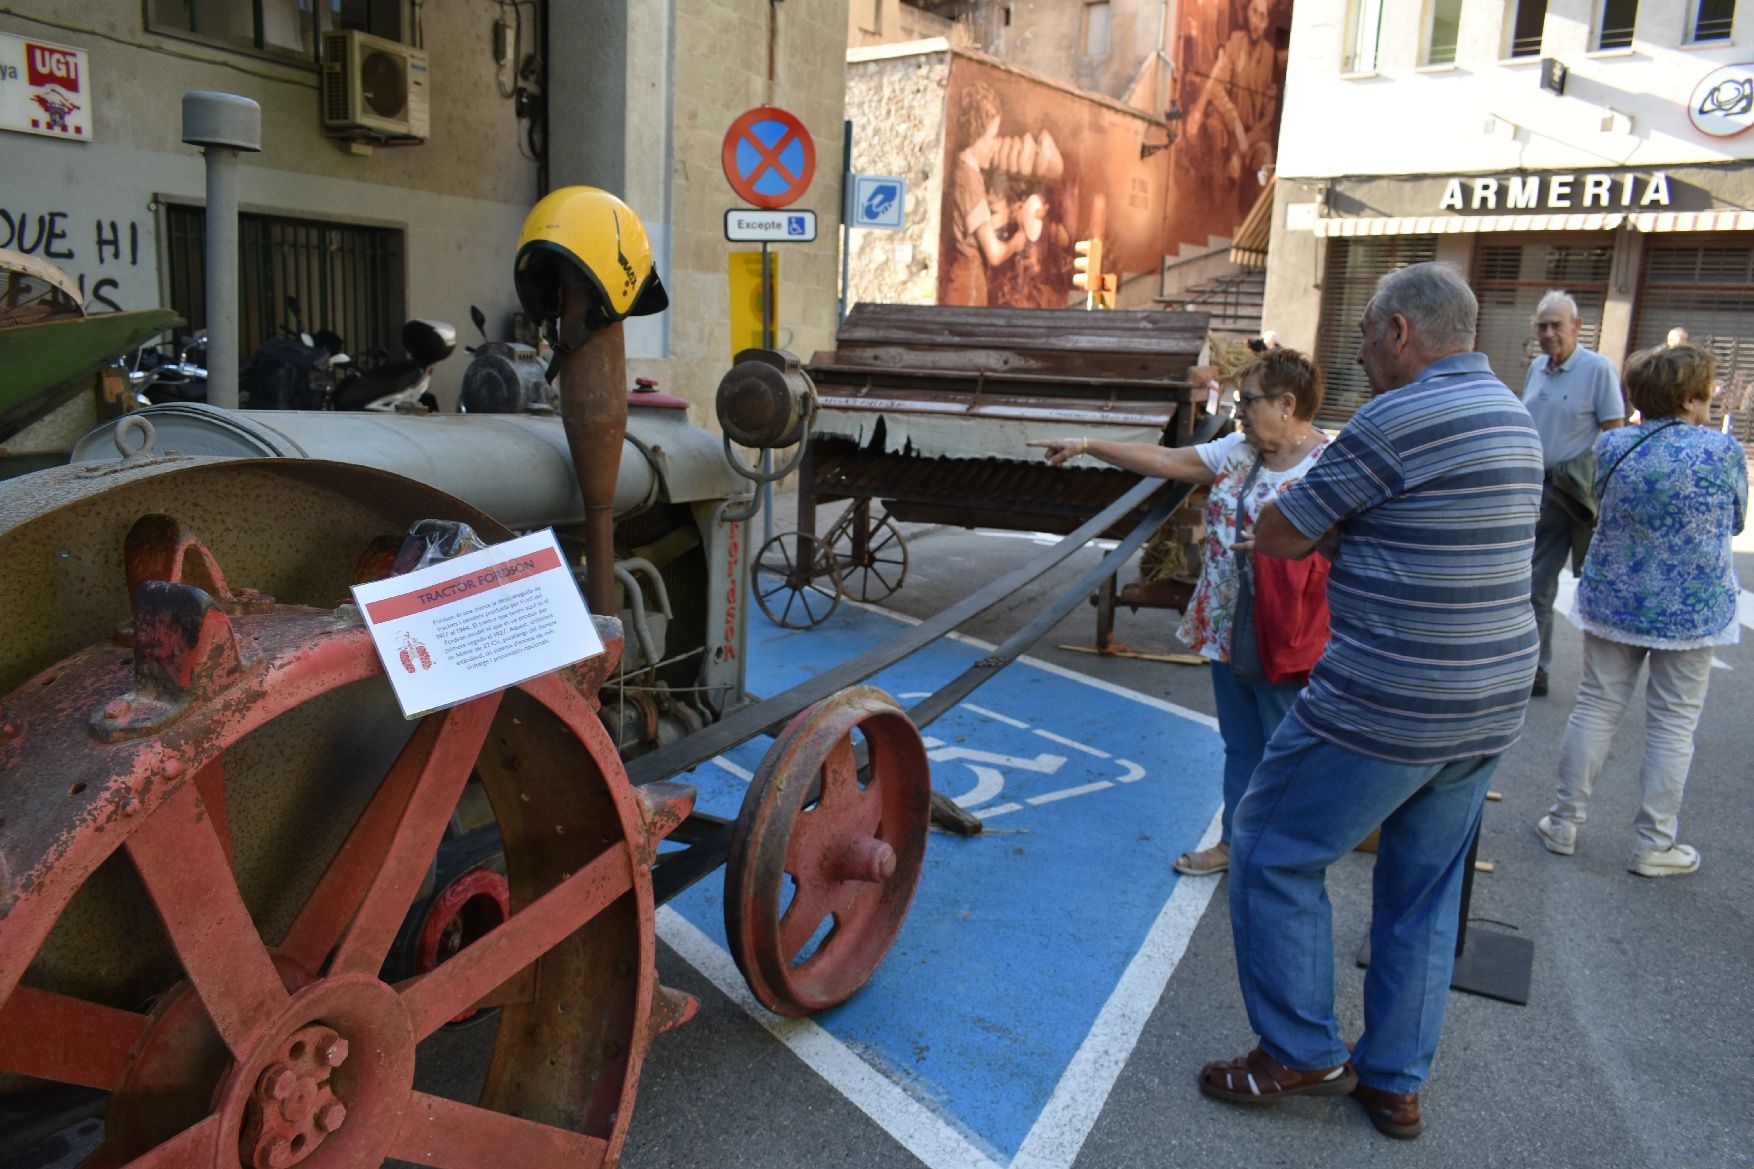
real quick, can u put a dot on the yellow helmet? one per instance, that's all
(583, 234)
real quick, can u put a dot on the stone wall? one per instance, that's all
(896, 105)
(721, 70)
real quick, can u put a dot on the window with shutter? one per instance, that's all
(1353, 268)
(1706, 286)
(1511, 277)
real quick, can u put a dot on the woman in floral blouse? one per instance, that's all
(1659, 584)
(1279, 394)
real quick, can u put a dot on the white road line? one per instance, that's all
(1072, 743)
(1058, 1133)
(1100, 785)
(995, 715)
(921, 1131)
(724, 764)
(999, 810)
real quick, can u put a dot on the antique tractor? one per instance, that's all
(238, 889)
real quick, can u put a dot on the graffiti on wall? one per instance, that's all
(1029, 168)
(1230, 78)
(111, 258)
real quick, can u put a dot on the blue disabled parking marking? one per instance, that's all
(1033, 953)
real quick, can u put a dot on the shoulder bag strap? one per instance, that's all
(1642, 439)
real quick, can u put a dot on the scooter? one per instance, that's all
(401, 386)
(505, 377)
(294, 370)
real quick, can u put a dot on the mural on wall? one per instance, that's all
(110, 256)
(1028, 169)
(1230, 78)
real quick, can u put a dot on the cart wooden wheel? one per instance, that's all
(793, 594)
(870, 555)
(208, 841)
(824, 860)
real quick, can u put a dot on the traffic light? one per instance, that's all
(1087, 269)
(1105, 296)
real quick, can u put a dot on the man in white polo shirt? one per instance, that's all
(1573, 394)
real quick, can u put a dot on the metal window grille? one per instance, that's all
(1510, 279)
(1526, 26)
(1353, 268)
(1619, 18)
(346, 278)
(1714, 20)
(1707, 288)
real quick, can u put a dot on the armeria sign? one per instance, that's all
(1605, 191)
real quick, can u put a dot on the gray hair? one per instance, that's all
(1434, 299)
(1558, 298)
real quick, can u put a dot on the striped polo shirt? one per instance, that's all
(1435, 487)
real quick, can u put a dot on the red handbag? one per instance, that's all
(1291, 614)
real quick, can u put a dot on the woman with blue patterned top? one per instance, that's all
(1659, 584)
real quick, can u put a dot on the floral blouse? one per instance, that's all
(1205, 624)
(1659, 571)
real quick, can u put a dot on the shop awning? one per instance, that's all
(1647, 221)
(1249, 249)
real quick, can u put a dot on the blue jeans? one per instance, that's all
(1310, 803)
(1248, 714)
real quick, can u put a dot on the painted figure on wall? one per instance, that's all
(1029, 167)
(997, 205)
(1232, 73)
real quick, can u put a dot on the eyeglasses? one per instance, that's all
(1247, 400)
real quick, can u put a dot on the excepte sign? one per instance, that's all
(745, 226)
(1558, 192)
(477, 623)
(45, 88)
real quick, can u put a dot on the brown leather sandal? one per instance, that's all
(1258, 1078)
(1204, 862)
(1395, 1114)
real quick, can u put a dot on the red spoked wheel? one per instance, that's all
(824, 859)
(208, 842)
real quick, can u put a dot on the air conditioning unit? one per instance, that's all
(374, 88)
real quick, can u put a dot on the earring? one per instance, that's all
(1284, 417)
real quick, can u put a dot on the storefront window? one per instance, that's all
(1510, 279)
(1706, 286)
(1349, 281)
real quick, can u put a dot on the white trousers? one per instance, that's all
(1673, 698)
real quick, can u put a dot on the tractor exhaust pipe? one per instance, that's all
(593, 410)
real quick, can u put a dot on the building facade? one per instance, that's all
(1599, 146)
(370, 228)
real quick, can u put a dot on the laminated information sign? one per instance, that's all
(477, 623)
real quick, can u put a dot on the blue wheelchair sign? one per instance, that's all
(877, 201)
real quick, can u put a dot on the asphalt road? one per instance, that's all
(1633, 1052)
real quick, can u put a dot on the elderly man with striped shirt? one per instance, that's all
(1426, 503)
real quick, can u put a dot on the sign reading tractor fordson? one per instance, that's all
(44, 88)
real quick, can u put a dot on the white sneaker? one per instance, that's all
(1665, 862)
(1558, 835)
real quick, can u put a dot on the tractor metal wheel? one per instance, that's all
(211, 830)
(824, 859)
(870, 556)
(793, 594)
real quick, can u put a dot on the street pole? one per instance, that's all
(767, 342)
(846, 231)
(221, 124)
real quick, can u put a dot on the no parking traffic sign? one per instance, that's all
(769, 157)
